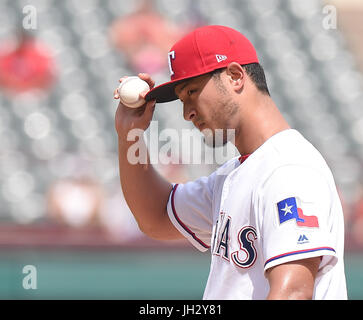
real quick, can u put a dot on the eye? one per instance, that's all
(191, 91)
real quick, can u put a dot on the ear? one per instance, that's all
(236, 75)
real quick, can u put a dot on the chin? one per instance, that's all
(215, 139)
(213, 143)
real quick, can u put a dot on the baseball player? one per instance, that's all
(271, 218)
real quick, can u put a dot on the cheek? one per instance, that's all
(216, 109)
(219, 113)
(209, 102)
(204, 107)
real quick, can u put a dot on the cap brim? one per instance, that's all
(164, 92)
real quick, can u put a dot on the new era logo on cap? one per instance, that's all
(220, 57)
(199, 52)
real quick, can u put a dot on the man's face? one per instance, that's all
(208, 103)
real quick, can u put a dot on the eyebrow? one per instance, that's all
(184, 85)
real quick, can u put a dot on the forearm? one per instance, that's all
(294, 280)
(145, 190)
(292, 294)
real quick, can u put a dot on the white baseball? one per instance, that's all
(129, 91)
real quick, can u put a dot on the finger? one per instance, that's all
(116, 94)
(143, 94)
(149, 109)
(146, 77)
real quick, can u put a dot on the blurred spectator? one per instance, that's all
(75, 202)
(347, 210)
(25, 65)
(145, 38)
(117, 219)
(357, 223)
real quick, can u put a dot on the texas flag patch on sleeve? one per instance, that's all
(289, 209)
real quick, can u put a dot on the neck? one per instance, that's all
(260, 119)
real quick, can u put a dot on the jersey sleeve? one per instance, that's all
(190, 208)
(295, 217)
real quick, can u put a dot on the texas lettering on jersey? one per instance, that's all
(246, 255)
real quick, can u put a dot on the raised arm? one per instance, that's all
(145, 190)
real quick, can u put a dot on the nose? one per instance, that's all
(188, 112)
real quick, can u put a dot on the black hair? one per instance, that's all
(255, 72)
(257, 75)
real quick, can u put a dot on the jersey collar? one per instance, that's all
(243, 158)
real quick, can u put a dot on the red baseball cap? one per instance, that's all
(201, 51)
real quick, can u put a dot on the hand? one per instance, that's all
(134, 118)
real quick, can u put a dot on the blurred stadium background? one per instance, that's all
(62, 208)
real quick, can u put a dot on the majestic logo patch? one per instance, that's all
(302, 239)
(288, 209)
(220, 57)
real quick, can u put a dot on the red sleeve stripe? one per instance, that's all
(298, 252)
(181, 223)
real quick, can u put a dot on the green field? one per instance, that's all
(122, 274)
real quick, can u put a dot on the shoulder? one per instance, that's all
(290, 163)
(289, 152)
(208, 184)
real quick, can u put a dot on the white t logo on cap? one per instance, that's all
(171, 55)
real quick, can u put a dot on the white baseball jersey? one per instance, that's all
(279, 205)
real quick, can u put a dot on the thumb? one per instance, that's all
(149, 109)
